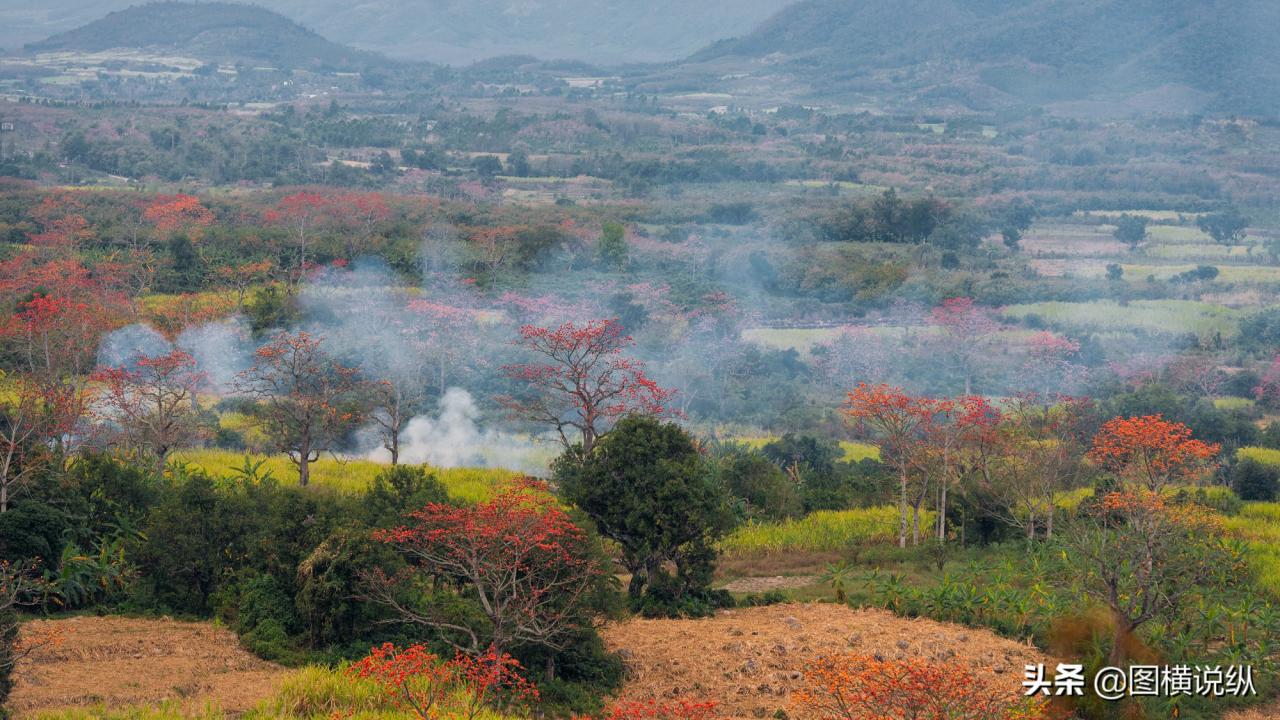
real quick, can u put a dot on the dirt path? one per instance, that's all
(126, 661)
(749, 660)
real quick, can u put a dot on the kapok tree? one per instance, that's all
(1143, 556)
(857, 687)
(899, 422)
(53, 341)
(1151, 452)
(524, 560)
(23, 421)
(152, 403)
(1039, 446)
(965, 332)
(582, 383)
(299, 214)
(174, 214)
(306, 399)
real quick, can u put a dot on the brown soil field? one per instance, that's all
(749, 660)
(746, 660)
(116, 661)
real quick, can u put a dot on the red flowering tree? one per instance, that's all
(172, 214)
(53, 341)
(526, 562)
(299, 214)
(62, 227)
(1143, 556)
(1037, 453)
(416, 680)
(306, 399)
(357, 216)
(900, 424)
(965, 334)
(152, 404)
(857, 687)
(582, 383)
(23, 423)
(1151, 452)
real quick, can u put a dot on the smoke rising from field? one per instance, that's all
(454, 437)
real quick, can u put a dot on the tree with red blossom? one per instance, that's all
(23, 419)
(420, 682)
(582, 383)
(62, 226)
(53, 341)
(306, 399)
(1151, 452)
(357, 216)
(528, 566)
(152, 405)
(173, 214)
(900, 423)
(299, 214)
(1143, 556)
(964, 337)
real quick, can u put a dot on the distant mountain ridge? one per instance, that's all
(214, 32)
(1037, 49)
(463, 31)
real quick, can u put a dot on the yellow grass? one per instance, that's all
(1266, 456)
(312, 693)
(1258, 524)
(348, 476)
(822, 531)
(853, 451)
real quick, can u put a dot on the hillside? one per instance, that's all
(462, 31)
(1034, 50)
(213, 32)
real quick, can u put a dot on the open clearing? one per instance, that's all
(747, 660)
(750, 659)
(115, 661)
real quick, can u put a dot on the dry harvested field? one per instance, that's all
(749, 660)
(116, 661)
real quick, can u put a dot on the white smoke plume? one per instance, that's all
(453, 437)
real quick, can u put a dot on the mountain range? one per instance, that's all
(1220, 51)
(463, 31)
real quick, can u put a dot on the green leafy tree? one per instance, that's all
(613, 249)
(1226, 228)
(647, 487)
(1131, 230)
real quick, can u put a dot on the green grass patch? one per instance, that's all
(1163, 316)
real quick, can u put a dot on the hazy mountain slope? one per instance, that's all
(1038, 48)
(460, 31)
(221, 32)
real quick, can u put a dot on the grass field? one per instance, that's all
(1164, 316)
(853, 451)
(1266, 456)
(312, 693)
(1258, 524)
(822, 531)
(348, 476)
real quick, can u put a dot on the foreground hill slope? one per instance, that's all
(214, 32)
(1038, 50)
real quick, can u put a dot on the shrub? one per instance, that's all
(851, 687)
(32, 530)
(1252, 480)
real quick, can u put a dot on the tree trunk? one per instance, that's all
(1119, 639)
(902, 509)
